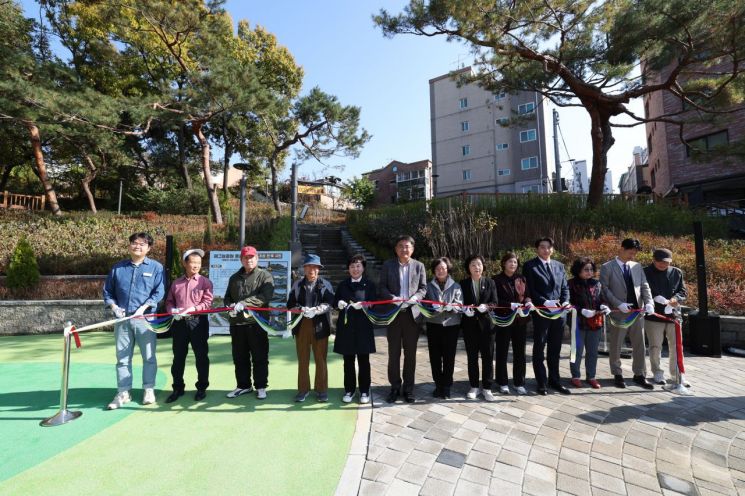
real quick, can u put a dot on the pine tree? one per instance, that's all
(23, 270)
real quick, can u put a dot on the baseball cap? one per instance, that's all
(248, 251)
(663, 255)
(192, 251)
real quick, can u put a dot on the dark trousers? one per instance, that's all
(363, 361)
(516, 334)
(442, 342)
(250, 346)
(547, 333)
(402, 333)
(479, 342)
(194, 331)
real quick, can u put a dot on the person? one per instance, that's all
(354, 332)
(132, 287)
(668, 291)
(403, 278)
(478, 333)
(314, 295)
(443, 328)
(249, 286)
(547, 286)
(624, 287)
(585, 296)
(191, 292)
(511, 294)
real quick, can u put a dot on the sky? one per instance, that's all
(344, 54)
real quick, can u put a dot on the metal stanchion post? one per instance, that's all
(677, 386)
(63, 415)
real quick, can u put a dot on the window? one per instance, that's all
(499, 96)
(503, 172)
(529, 163)
(528, 135)
(502, 146)
(463, 102)
(526, 108)
(654, 179)
(466, 150)
(503, 121)
(707, 143)
(464, 126)
(533, 188)
(467, 174)
(376, 183)
(649, 143)
(403, 176)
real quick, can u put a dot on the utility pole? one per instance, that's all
(557, 159)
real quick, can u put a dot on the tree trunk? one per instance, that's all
(602, 140)
(6, 175)
(226, 165)
(86, 182)
(275, 195)
(41, 168)
(182, 167)
(211, 193)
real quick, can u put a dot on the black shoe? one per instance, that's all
(437, 393)
(201, 394)
(392, 396)
(558, 387)
(176, 394)
(446, 393)
(541, 391)
(409, 397)
(619, 382)
(643, 382)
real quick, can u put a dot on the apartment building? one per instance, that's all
(401, 182)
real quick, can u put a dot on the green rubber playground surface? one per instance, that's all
(217, 446)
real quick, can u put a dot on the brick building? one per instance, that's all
(399, 181)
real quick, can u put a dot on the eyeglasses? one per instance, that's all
(134, 243)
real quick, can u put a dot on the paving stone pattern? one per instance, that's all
(611, 441)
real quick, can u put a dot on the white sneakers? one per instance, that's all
(347, 398)
(120, 399)
(659, 377)
(261, 394)
(521, 390)
(238, 392)
(488, 396)
(472, 393)
(684, 381)
(364, 399)
(504, 389)
(148, 397)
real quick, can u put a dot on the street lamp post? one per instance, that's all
(243, 167)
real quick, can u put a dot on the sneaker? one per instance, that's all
(684, 381)
(488, 396)
(239, 391)
(521, 390)
(300, 397)
(659, 378)
(594, 383)
(364, 399)
(148, 397)
(347, 398)
(120, 399)
(261, 393)
(504, 390)
(322, 397)
(576, 382)
(472, 393)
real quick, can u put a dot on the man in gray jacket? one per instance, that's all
(403, 278)
(625, 288)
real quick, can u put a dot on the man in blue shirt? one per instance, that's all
(132, 287)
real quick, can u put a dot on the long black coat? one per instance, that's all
(487, 294)
(356, 336)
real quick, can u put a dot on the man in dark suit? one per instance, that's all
(547, 285)
(403, 278)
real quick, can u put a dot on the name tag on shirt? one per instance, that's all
(147, 274)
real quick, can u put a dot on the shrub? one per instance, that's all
(23, 271)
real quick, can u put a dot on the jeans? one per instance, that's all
(590, 340)
(126, 334)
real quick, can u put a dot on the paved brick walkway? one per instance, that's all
(593, 442)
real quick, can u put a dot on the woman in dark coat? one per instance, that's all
(511, 292)
(354, 331)
(478, 333)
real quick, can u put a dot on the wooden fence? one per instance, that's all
(21, 202)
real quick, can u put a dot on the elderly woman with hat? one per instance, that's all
(190, 293)
(314, 296)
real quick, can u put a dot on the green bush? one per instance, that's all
(169, 200)
(23, 271)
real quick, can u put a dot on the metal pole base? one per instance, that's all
(61, 417)
(678, 389)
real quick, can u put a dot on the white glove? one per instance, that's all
(309, 312)
(529, 306)
(141, 311)
(649, 308)
(550, 303)
(176, 313)
(448, 308)
(468, 311)
(322, 308)
(605, 309)
(669, 309)
(661, 300)
(413, 300)
(118, 311)
(186, 312)
(586, 312)
(514, 306)
(437, 308)
(239, 307)
(566, 304)
(624, 307)
(342, 305)
(357, 305)
(482, 308)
